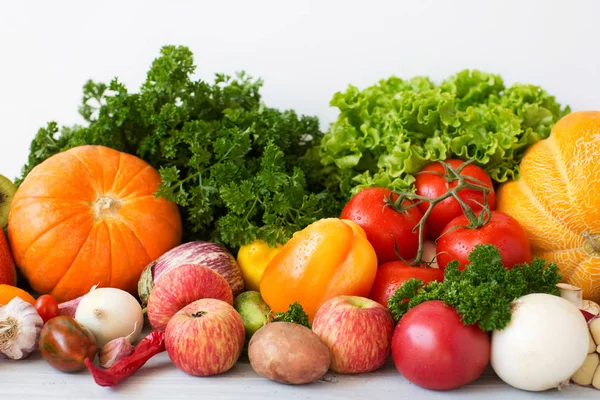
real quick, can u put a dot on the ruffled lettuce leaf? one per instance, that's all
(387, 132)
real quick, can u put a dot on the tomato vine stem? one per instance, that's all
(451, 175)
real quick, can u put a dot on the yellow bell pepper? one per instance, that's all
(328, 258)
(253, 259)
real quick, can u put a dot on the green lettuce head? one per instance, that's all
(389, 131)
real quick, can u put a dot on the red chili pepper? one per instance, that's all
(148, 347)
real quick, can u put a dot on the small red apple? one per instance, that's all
(358, 332)
(182, 286)
(205, 338)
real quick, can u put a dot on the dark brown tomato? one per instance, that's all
(64, 343)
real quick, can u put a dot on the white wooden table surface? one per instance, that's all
(160, 379)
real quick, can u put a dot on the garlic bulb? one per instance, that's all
(591, 307)
(20, 327)
(589, 372)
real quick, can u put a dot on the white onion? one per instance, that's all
(544, 344)
(110, 313)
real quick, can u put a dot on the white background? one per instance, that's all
(304, 50)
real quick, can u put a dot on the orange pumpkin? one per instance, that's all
(557, 199)
(89, 216)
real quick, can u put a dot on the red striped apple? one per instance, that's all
(182, 286)
(358, 332)
(205, 338)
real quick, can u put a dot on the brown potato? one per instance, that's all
(288, 353)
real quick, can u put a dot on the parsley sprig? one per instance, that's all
(238, 169)
(295, 314)
(482, 293)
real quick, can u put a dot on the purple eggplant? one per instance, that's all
(208, 254)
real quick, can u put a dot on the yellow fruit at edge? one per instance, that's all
(557, 199)
(253, 258)
(8, 292)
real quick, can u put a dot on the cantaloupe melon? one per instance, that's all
(557, 199)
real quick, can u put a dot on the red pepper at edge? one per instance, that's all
(148, 347)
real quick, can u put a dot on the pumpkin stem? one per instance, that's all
(105, 206)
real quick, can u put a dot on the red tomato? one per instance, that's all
(432, 348)
(383, 225)
(47, 307)
(502, 231)
(390, 276)
(430, 185)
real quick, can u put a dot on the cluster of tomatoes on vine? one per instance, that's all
(417, 233)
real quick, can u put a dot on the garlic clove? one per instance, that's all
(585, 374)
(596, 380)
(591, 307)
(68, 308)
(114, 350)
(592, 345)
(595, 329)
(589, 373)
(20, 327)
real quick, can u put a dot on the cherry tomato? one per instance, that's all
(432, 348)
(430, 185)
(390, 276)
(384, 225)
(502, 231)
(47, 307)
